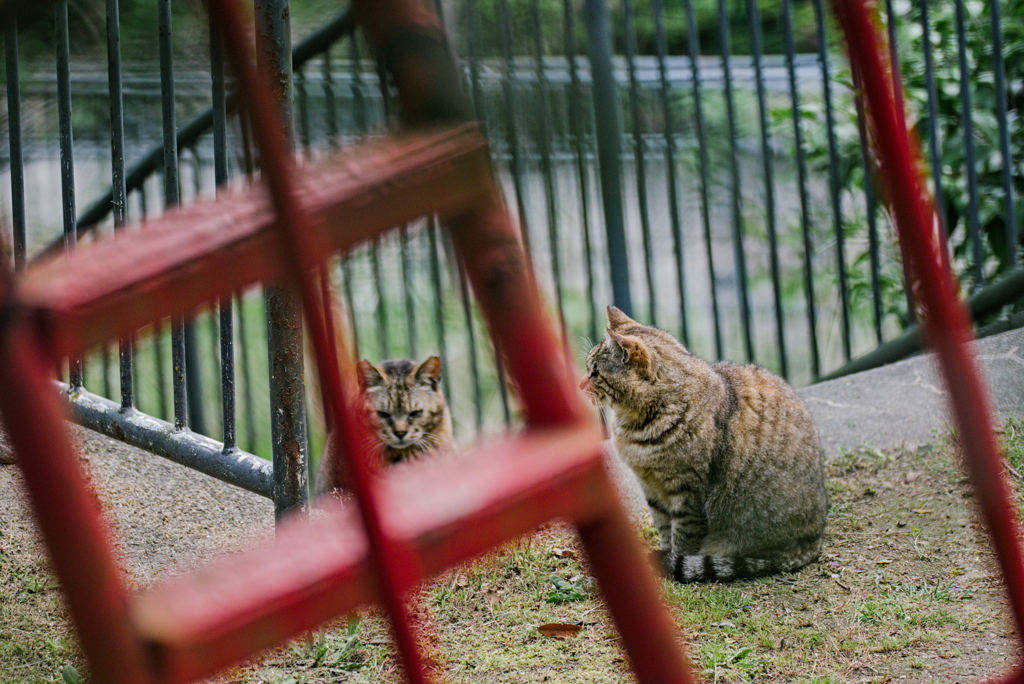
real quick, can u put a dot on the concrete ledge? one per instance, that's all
(907, 402)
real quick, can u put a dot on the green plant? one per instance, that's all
(566, 590)
(951, 126)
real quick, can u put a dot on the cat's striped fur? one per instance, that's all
(727, 455)
(407, 412)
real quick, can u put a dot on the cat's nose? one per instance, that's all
(400, 434)
(585, 383)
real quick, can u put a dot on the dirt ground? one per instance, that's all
(906, 589)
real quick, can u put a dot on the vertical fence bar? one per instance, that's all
(171, 196)
(407, 292)
(582, 167)
(867, 164)
(754, 16)
(934, 143)
(467, 312)
(383, 328)
(894, 57)
(108, 390)
(345, 271)
(19, 237)
(670, 167)
(247, 389)
(801, 169)
(541, 88)
(470, 31)
(897, 92)
(479, 108)
(511, 127)
(833, 174)
(435, 274)
(358, 97)
(302, 102)
(284, 320)
(67, 161)
(330, 104)
(999, 73)
(383, 340)
(220, 178)
(118, 190)
(703, 164)
(739, 257)
(608, 129)
(967, 120)
(639, 161)
(157, 336)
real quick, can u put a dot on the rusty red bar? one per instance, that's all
(489, 246)
(186, 257)
(946, 321)
(76, 536)
(394, 569)
(316, 569)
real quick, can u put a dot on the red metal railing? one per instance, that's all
(946, 321)
(192, 626)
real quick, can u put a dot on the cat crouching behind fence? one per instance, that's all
(407, 412)
(727, 455)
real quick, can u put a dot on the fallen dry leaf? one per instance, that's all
(559, 630)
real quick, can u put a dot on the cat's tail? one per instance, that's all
(687, 568)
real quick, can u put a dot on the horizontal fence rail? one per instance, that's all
(744, 225)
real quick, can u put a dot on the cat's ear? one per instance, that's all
(629, 350)
(369, 375)
(617, 319)
(428, 372)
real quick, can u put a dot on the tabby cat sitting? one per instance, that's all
(406, 410)
(726, 454)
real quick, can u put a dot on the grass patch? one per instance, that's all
(906, 589)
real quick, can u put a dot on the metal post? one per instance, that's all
(118, 190)
(608, 127)
(171, 198)
(14, 133)
(999, 72)
(801, 167)
(704, 164)
(754, 17)
(220, 174)
(639, 162)
(833, 174)
(67, 161)
(972, 226)
(284, 323)
(540, 92)
(670, 167)
(508, 92)
(739, 256)
(580, 154)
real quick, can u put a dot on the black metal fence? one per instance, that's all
(678, 168)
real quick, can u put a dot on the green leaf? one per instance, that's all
(70, 675)
(740, 654)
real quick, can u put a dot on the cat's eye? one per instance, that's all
(415, 414)
(593, 374)
(383, 415)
